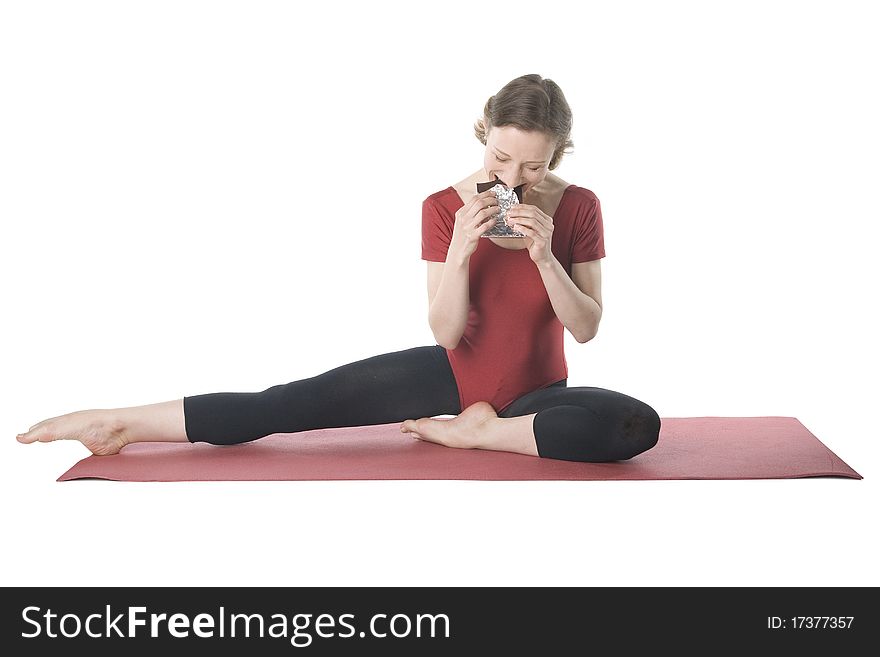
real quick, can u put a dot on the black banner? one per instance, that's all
(392, 621)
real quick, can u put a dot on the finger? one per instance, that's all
(486, 214)
(545, 221)
(485, 207)
(489, 200)
(527, 231)
(525, 210)
(525, 221)
(521, 211)
(535, 217)
(476, 199)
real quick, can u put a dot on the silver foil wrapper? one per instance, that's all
(506, 198)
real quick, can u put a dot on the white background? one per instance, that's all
(174, 224)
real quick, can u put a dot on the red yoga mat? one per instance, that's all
(688, 448)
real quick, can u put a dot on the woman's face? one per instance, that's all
(516, 156)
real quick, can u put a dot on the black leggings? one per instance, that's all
(574, 424)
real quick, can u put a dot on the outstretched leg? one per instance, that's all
(381, 389)
(377, 390)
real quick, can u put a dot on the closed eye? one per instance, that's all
(505, 160)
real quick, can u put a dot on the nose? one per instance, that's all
(510, 179)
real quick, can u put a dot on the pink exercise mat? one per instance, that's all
(689, 448)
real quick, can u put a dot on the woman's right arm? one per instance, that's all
(448, 289)
(448, 299)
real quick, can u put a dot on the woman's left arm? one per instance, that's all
(577, 301)
(578, 311)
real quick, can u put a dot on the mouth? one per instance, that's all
(524, 186)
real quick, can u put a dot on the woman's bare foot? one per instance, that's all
(462, 431)
(96, 429)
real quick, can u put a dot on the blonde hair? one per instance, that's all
(529, 103)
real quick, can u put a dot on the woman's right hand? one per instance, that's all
(471, 221)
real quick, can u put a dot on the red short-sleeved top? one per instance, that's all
(513, 341)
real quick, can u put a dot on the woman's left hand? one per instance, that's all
(536, 226)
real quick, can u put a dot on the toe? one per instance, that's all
(33, 434)
(30, 436)
(413, 427)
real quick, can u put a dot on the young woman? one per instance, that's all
(497, 308)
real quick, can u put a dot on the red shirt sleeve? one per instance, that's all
(589, 234)
(436, 233)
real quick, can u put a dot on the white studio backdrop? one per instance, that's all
(223, 196)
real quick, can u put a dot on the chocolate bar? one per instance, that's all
(506, 198)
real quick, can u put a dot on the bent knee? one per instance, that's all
(574, 433)
(641, 431)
